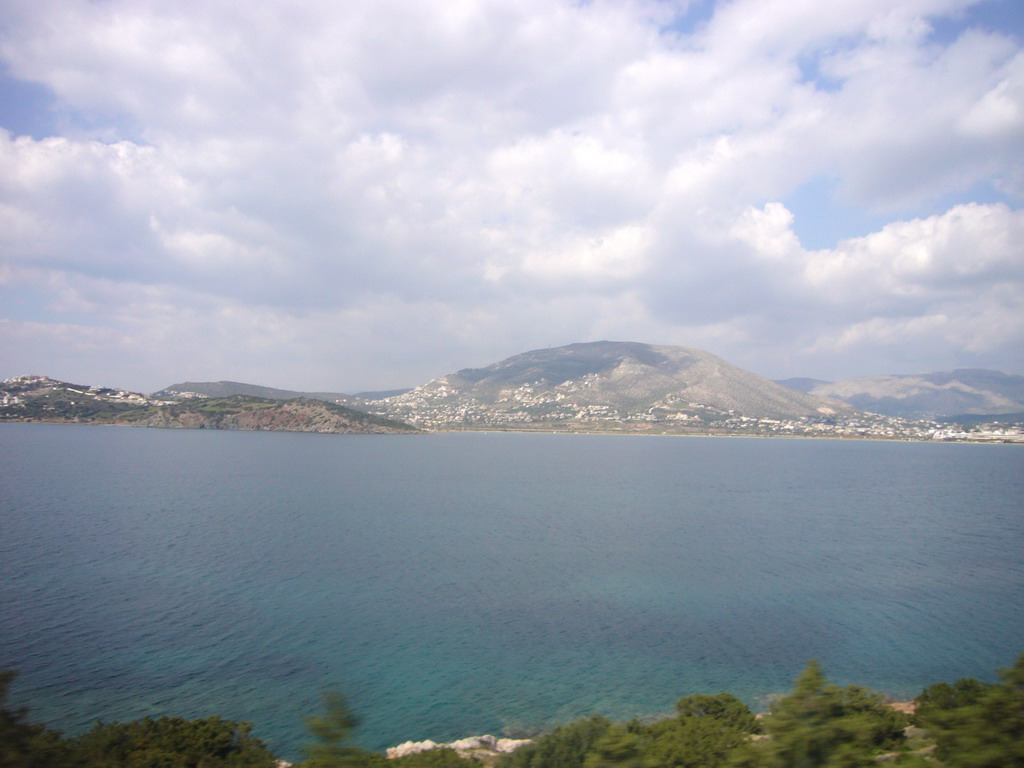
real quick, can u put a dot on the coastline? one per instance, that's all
(546, 430)
(721, 434)
(488, 748)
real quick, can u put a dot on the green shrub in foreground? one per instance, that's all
(564, 747)
(976, 725)
(824, 726)
(970, 724)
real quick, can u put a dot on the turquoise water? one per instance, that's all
(467, 583)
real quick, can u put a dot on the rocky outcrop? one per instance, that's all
(471, 746)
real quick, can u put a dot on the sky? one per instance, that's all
(328, 196)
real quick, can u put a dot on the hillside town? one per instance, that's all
(519, 411)
(18, 390)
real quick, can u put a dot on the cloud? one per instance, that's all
(359, 196)
(952, 282)
(949, 255)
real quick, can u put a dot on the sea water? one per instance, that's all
(456, 584)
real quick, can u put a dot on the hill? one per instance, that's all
(605, 381)
(229, 388)
(265, 414)
(965, 391)
(40, 398)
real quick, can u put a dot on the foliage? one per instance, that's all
(60, 402)
(692, 742)
(442, 757)
(824, 726)
(172, 742)
(706, 730)
(970, 724)
(331, 730)
(23, 744)
(724, 708)
(943, 697)
(977, 725)
(61, 405)
(564, 747)
(618, 747)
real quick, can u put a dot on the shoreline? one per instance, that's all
(639, 433)
(489, 747)
(1006, 440)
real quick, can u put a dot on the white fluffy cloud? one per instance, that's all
(917, 291)
(357, 195)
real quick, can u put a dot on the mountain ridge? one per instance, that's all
(939, 394)
(628, 380)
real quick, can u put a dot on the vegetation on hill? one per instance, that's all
(38, 398)
(169, 742)
(229, 388)
(968, 724)
(975, 724)
(258, 413)
(824, 725)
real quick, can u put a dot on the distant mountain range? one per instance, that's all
(963, 392)
(641, 377)
(623, 386)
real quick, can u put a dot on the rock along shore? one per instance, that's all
(472, 746)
